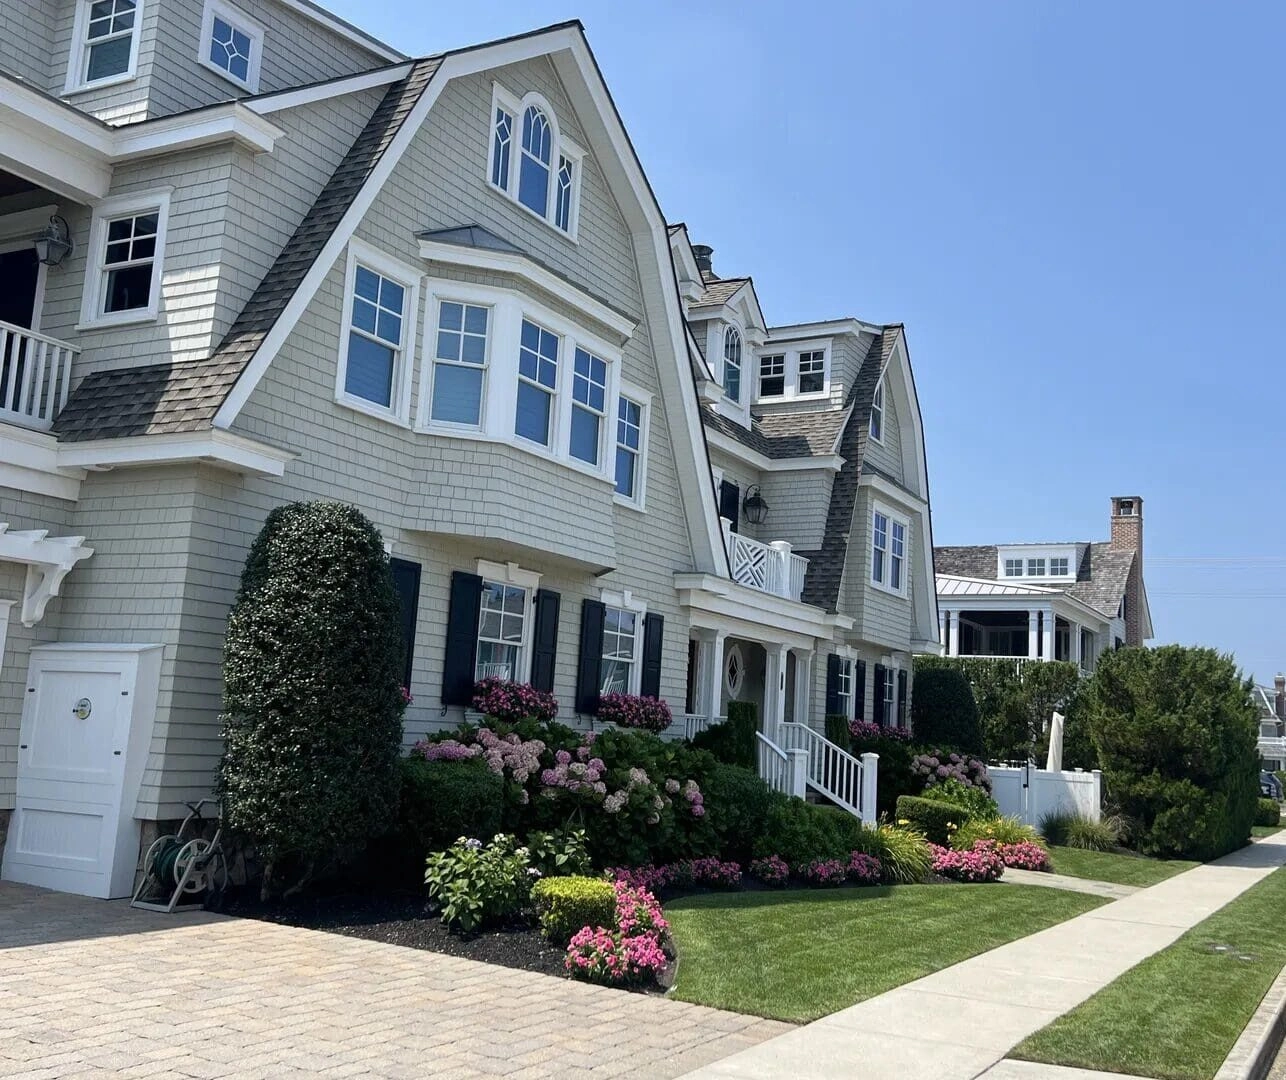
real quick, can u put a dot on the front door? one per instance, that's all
(71, 771)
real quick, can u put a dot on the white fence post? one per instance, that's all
(797, 775)
(870, 778)
(1097, 791)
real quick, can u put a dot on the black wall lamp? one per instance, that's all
(54, 244)
(754, 506)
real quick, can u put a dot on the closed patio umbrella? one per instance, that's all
(1055, 761)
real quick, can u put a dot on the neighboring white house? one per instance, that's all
(1271, 701)
(1063, 601)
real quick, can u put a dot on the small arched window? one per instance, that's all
(732, 363)
(537, 149)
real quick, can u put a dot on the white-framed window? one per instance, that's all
(877, 413)
(459, 363)
(537, 383)
(1058, 567)
(888, 550)
(631, 445)
(231, 44)
(888, 711)
(732, 363)
(105, 37)
(505, 621)
(812, 371)
(1013, 568)
(589, 405)
(1035, 567)
(844, 686)
(531, 162)
(377, 338)
(622, 643)
(734, 670)
(772, 375)
(125, 261)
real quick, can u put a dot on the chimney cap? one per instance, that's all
(1127, 505)
(704, 255)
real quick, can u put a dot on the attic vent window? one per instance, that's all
(231, 44)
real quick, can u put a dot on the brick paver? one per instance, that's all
(94, 989)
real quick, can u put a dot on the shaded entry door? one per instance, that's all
(71, 772)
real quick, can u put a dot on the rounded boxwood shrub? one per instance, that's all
(737, 804)
(1268, 812)
(932, 818)
(943, 710)
(1176, 732)
(445, 800)
(313, 696)
(566, 904)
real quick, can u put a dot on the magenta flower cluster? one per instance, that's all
(937, 767)
(710, 872)
(511, 701)
(864, 869)
(634, 711)
(823, 873)
(582, 775)
(866, 731)
(629, 954)
(1024, 855)
(447, 750)
(982, 862)
(772, 870)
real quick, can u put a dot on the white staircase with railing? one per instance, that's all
(35, 376)
(801, 758)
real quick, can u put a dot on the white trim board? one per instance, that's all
(221, 448)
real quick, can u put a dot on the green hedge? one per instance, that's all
(943, 711)
(931, 817)
(445, 800)
(1268, 812)
(737, 803)
(565, 904)
(733, 741)
(800, 831)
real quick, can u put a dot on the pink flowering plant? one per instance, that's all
(864, 869)
(1024, 855)
(710, 873)
(936, 767)
(865, 731)
(635, 711)
(771, 870)
(982, 862)
(628, 954)
(510, 702)
(825, 873)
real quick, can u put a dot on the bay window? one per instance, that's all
(459, 364)
(537, 381)
(378, 335)
(589, 401)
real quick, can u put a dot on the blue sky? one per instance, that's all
(1076, 210)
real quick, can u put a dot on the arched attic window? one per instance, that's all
(530, 160)
(537, 151)
(732, 363)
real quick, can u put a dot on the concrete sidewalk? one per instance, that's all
(957, 1023)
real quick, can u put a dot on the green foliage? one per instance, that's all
(1064, 828)
(1003, 830)
(936, 820)
(903, 853)
(1015, 702)
(562, 853)
(1176, 732)
(737, 803)
(312, 720)
(894, 776)
(443, 801)
(733, 741)
(974, 802)
(1268, 812)
(800, 832)
(943, 710)
(475, 884)
(837, 730)
(565, 904)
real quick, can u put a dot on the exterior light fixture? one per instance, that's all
(54, 244)
(754, 507)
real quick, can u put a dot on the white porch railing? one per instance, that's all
(695, 723)
(771, 568)
(848, 782)
(1272, 746)
(782, 770)
(35, 376)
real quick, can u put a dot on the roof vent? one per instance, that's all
(703, 253)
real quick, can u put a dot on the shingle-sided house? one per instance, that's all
(1065, 601)
(251, 256)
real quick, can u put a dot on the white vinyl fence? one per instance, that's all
(1030, 793)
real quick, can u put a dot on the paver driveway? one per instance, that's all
(95, 989)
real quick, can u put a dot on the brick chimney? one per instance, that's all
(1127, 535)
(1280, 683)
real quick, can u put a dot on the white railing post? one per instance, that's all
(797, 773)
(870, 780)
(35, 374)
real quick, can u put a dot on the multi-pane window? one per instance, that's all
(375, 345)
(812, 372)
(877, 414)
(844, 687)
(732, 363)
(230, 49)
(897, 554)
(888, 710)
(629, 447)
(1013, 568)
(231, 43)
(1058, 567)
(620, 638)
(537, 381)
(1035, 567)
(129, 262)
(888, 551)
(879, 548)
(772, 375)
(459, 363)
(533, 171)
(563, 198)
(589, 403)
(501, 632)
(501, 144)
(107, 49)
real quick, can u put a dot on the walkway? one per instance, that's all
(959, 1022)
(94, 989)
(1110, 889)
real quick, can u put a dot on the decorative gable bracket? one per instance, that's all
(48, 560)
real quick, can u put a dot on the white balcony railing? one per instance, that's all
(35, 375)
(771, 568)
(1272, 746)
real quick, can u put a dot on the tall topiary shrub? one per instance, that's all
(943, 711)
(313, 702)
(1176, 732)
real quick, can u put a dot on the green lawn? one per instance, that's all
(1265, 830)
(1177, 1014)
(1115, 867)
(800, 955)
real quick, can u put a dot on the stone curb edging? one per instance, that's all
(1252, 1054)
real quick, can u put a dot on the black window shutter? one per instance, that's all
(406, 583)
(902, 698)
(544, 650)
(653, 632)
(832, 684)
(589, 667)
(859, 690)
(878, 717)
(462, 638)
(730, 502)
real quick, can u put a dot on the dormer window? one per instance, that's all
(1058, 567)
(1035, 567)
(1013, 568)
(772, 375)
(877, 413)
(542, 172)
(231, 44)
(812, 371)
(732, 363)
(104, 43)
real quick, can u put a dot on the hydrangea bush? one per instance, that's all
(772, 870)
(982, 862)
(937, 766)
(864, 869)
(634, 711)
(869, 731)
(473, 883)
(511, 702)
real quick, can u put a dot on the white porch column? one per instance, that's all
(774, 688)
(1033, 632)
(1047, 632)
(712, 681)
(803, 685)
(1074, 643)
(953, 633)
